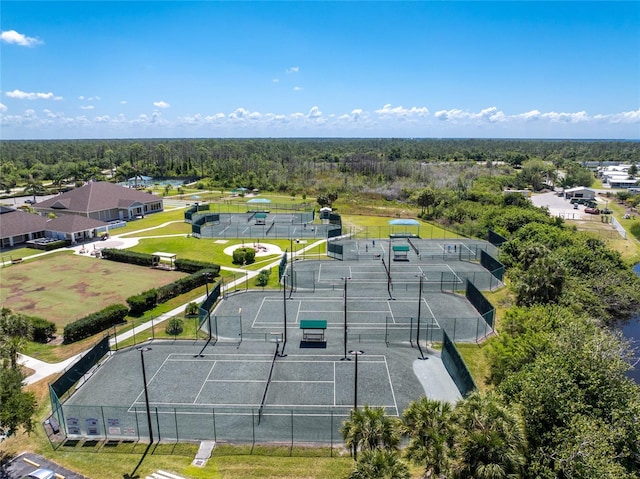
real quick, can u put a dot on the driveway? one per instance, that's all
(18, 467)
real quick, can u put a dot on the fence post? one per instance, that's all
(104, 423)
(158, 424)
(175, 420)
(213, 415)
(331, 452)
(291, 450)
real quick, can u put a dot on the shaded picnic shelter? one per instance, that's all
(404, 228)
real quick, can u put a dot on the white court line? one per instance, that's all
(297, 321)
(393, 393)
(149, 382)
(391, 311)
(205, 382)
(255, 319)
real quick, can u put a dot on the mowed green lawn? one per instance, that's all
(64, 287)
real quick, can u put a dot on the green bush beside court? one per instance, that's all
(95, 323)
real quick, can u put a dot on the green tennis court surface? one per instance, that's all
(240, 388)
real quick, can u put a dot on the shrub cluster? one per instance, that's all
(263, 277)
(95, 323)
(174, 327)
(42, 331)
(244, 255)
(149, 299)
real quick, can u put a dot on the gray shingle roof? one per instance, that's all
(96, 196)
(15, 222)
(73, 224)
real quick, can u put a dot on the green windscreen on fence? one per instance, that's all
(334, 250)
(65, 382)
(482, 304)
(496, 239)
(282, 267)
(456, 367)
(207, 304)
(491, 264)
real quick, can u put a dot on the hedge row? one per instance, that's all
(144, 259)
(124, 256)
(142, 302)
(95, 323)
(149, 299)
(192, 266)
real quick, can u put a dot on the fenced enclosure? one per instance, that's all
(253, 377)
(260, 225)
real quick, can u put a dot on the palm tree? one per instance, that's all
(370, 428)
(380, 464)
(429, 426)
(490, 440)
(15, 330)
(33, 188)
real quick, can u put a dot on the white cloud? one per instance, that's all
(623, 117)
(89, 98)
(87, 107)
(13, 37)
(387, 121)
(314, 113)
(161, 104)
(123, 102)
(399, 111)
(297, 88)
(491, 114)
(23, 95)
(276, 80)
(293, 70)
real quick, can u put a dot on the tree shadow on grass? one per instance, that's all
(133, 474)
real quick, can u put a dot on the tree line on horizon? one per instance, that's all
(286, 165)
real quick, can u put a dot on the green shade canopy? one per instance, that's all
(404, 222)
(313, 324)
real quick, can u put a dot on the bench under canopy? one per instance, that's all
(313, 329)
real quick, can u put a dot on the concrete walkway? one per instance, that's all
(43, 369)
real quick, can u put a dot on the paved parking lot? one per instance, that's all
(19, 467)
(558, 206)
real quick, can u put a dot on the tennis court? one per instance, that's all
(264, 225)
(264, 378)
(249, 393)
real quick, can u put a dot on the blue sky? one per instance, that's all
(157, 69)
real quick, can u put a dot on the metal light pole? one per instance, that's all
(345, 358)
(419, 314)
(355, 395)
(284, 307)
(355, 381)
(207, 278)
(146, 392)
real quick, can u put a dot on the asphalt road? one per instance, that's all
(19, 468)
